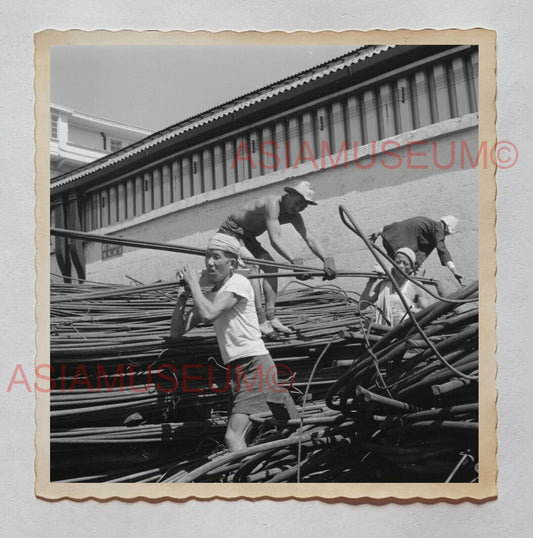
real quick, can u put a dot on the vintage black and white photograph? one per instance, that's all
(270, 265)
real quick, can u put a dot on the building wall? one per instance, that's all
(77, 139)
(92, 138)
(367, 110)
(189, 187)
(397, 184)
(85, 137)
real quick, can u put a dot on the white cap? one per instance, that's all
(305, 189)
(451, 223)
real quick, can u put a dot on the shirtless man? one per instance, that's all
(268, 213)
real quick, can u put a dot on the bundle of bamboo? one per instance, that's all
(376, 404)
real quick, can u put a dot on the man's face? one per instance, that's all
(403, 262)
(295, 203)
(218, 265)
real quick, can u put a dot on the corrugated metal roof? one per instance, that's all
(230, 107)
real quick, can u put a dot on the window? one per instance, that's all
(115, 145)
(54, 120)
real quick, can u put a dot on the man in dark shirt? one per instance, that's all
(422, 235)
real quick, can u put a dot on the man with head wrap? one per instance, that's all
(390, 309)
(422, 235)
(230, 307)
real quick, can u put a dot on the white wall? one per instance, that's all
(374, 197)
(85, 137)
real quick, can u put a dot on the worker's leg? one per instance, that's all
(264, 324)
(270, 287)
(238, 426)
(249, 384)
(255, 282)
(256, 286)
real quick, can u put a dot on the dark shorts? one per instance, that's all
(230, 227)
(254, 382)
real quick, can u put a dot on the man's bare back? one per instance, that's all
(254, 215)
(267, 214)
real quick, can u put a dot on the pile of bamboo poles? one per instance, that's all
(402, 412)
(375, 404)
(114, 373)
(416, 390)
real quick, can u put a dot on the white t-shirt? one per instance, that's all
(237, 329)
(391, 309)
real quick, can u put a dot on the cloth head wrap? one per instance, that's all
(407, 252)
(224, 242)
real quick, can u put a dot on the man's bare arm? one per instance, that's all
(371, 292)
(308, 237)
(274, 230)
(315, 247)
(182, 320)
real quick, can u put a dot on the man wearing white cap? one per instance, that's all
(267, 214)
(422, 235)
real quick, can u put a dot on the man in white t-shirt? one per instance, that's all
(231, 308)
